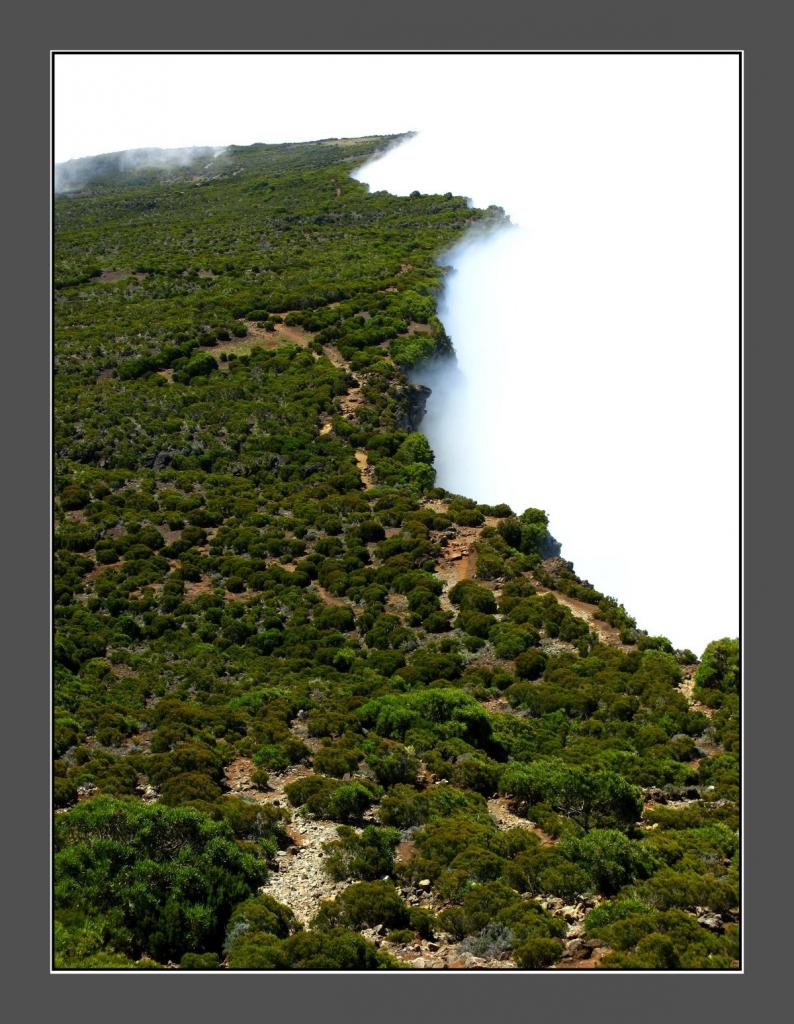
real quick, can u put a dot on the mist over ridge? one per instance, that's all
(596, 339)
(72, 175)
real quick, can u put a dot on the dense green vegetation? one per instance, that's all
(253, 575)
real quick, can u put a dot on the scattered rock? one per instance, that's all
(301, 881)
(712, 921)
(465, 960)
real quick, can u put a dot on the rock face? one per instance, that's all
(555, 566)
(414, 401)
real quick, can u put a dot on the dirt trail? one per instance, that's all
(459, 556)
(332, 353)
(364, 468)
(582, 610)
(350, 402)
(291, 332)
(348, 406)
(458, 559)
(499, 808)
(329, 598)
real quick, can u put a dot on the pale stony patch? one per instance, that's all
(300, 881)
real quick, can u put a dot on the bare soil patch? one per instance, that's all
(195, 589)
(329, 598)
(258, 337)
(587, 964)
(350, 402)
(103, 568)
(397, 604)
(405, 851)
(120, 275)
(293, 333)
(237, 775)
(497, 706)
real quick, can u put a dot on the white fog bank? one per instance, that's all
(597, 340)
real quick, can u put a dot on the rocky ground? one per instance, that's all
(300, 881)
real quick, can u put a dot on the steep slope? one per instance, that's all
(285, 663)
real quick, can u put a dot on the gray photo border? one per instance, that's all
(757, 30)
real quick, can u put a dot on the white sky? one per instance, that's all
(105, 103)
(599, 341)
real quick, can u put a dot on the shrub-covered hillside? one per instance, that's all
(311, 711)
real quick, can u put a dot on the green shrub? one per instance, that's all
(718, 673)
(510, 641)
(392, 763)
(595, 798)
(404, 806)
(667, 940)
(606, 913)
(260, 914)
(530, 665)
(181, 789)
(165, 879)
(478, 774)
(366, 856)
(336, 759)
(258, 951)
(469, 596)
(74, 496)
(327, 798)
(64, 792)
(335, 950)
(538, 952)
(364, 905)
(423, 922)
(610, 858)
(200, 962)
